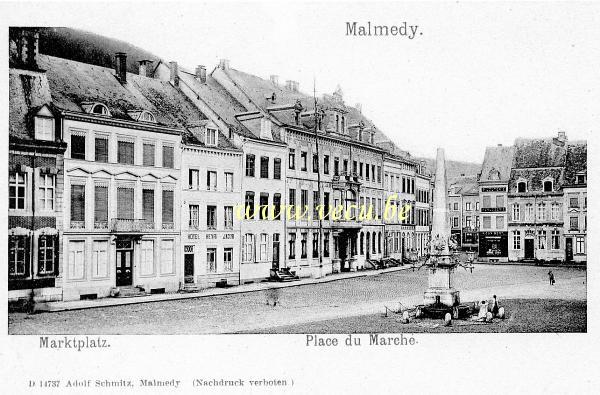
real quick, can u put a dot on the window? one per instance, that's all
(228, 217)
(277, 169)
(193, 178)
(100, 109)
(101, 149)
(326, 244)
(315, 245)
(379, 174)
(555, 239)
(167, 263)
(292, 159)
(249, 205)
(360, 169)
(516, 212)
(516, 240)
(47, 191)
(292, 201)
(325, 205)
(211, 217)
(316, 205)
(468, 206)
(541, 211)
(147, 116)
(455, 206)
(46, 254)
(211, 180)
(336, 166)
(467, 222)
(542, 239)
(148, 206)
(476, 206)
(18, 255)
(580, 245)
(229, 182)
(573, 201)
(264, 167)
(194, 210)
(555, 211)
(211, 137)
(77, 206)
(168, 161)
(580, 179)
(573, 223)
(303, 160)
(303, 201)
(522, 187)
(17, 187)
(167, 209)
(101, 207)
(248, 248)
(292, 245)
(125, 153)
(345, 166)
(529, 212)
(547, 186)
(303, 246)
(367, 172)
(211, 260)
(250, 165)
(326, 164)
(315, 163)
(100, 259)
(487, 222)
(277, 206)
(487, 201)
(77, 147)
(263, 247)
(76, 259)
(44, 128)
(148, 154)
(455, 222)
(228, 259)
(499, 201)
(403, 185)
(263, 206)
(499, 222)
(147, 257)
(125, 201)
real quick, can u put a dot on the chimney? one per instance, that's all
(143, 69)
(174, 78)
(274, 79)
(201, 73)
(358, 108)
(224, 64)
(27, 42)
(562, 136)
(121, 67)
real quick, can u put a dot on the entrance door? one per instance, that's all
(188, 268)
(569, 248)
(124, 269)
(529, 253)
(275, 251)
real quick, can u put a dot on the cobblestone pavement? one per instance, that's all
(306, 303)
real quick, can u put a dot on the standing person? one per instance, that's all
(495, 308)
(551, 277)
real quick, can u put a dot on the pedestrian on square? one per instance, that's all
(551, 277)
(495, 308)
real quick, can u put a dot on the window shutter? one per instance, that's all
(77, 203)
(148, 205)
(125, 154)
(101, 150)
(167, 156)
(125, 203)
(167, 206)
(101, 204)
(148, 155)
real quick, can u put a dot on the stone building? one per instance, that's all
(35, 177)
(423, 207)
(575, 202)
(535, 199)
(463, 196)
(493, 188)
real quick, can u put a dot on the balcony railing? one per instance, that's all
(130, 225)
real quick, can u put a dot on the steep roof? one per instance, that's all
(28, 92)
(539, 152)
(465, 185)
(497, 163)
(576, 160)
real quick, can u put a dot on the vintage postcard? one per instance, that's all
(306, 197)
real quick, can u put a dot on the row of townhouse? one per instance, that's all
(533, 201)
(156, 181)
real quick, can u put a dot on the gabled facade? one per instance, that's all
(575, 202)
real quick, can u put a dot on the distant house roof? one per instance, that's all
(465, 185)
(195, 135)
(576, 161)
(497, 163)
(539, 152)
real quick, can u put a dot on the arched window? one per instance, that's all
(337, 123)
(147, 116)
(522, 187)
(100, 109)
(548, 186)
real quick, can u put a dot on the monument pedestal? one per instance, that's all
(441, 285)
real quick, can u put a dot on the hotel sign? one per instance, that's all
(492, 209)
(493, 189)
(211, 236)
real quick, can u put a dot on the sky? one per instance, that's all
(478, 75)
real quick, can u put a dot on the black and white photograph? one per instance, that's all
(325, 197)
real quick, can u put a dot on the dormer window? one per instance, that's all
(147, 116)
(548, 186)
(580, 179)
(100, 109)
(44, 125)
(522, 187)
(211, 137)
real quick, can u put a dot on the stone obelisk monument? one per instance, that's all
(440, 264)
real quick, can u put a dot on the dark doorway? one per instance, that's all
(276, 249)
(343, 247)
(569, 248)
(529, 251)
(124, 269)
(188, 268)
